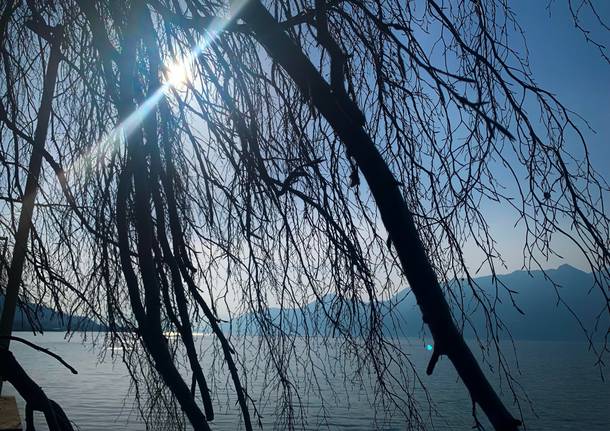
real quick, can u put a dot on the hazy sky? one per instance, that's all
(563, 63)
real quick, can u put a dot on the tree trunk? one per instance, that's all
(397, 218)
(148, 315)
(31, 189)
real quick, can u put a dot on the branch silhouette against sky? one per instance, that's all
(207, 160)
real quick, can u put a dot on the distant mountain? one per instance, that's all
(50, 320)
(543, 318)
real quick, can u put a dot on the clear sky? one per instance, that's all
(565, 64)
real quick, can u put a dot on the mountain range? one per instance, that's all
(536, 314)
(48, 319)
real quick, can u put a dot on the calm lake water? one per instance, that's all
(560, 379)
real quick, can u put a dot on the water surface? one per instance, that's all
(560, 379)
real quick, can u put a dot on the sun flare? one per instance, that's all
(178, 75)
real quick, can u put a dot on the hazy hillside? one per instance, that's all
(543, 318)
(49, 319)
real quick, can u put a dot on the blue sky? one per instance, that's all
(565, 64)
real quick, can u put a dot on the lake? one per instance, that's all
(565, 388)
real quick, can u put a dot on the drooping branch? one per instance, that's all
(147, 314)
(394, 211)
(31, 189)
(34, 396)
(41, 349)
(247, 193)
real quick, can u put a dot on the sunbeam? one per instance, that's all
(178, 75)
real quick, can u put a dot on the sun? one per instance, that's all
(178, 75)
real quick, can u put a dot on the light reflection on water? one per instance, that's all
(560, 379)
